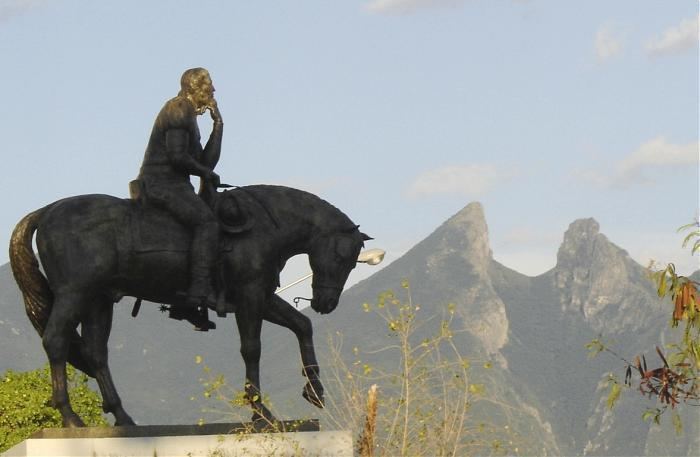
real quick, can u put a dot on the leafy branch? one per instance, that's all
(677, 380)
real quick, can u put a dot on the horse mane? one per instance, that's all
(283, 203)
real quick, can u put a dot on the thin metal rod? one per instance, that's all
(282, 289)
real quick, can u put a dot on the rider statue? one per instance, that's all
(173, 154)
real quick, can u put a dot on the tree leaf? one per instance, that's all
(614, 395)
(677, 423)
(662, 285)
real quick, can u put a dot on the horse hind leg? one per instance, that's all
(56, 340)
(96, 327)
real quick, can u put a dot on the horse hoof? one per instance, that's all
(313, 397)
(73, 421)
(262, 423)
(125, 422)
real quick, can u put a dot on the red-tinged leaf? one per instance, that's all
(638, 364)
(686, 294)
(628, 376)
(693, 296)
(678, 308)
(658, 351)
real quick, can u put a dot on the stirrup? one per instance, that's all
(197, 316)
(200, 319)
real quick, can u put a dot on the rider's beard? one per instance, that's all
(202, 100)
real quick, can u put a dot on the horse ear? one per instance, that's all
(366, 237)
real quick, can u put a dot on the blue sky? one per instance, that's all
(399, 112)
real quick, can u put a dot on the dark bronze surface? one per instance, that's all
(170, 246)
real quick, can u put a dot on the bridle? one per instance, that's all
(328, 286)
(322, 283)
(318, 286)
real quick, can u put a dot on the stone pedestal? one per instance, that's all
(211, 440)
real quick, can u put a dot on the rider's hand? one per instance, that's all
(214, 112)
(213, 179)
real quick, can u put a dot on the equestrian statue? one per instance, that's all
(215, 250)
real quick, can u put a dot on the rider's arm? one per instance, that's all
(176, 146)
(212, 151)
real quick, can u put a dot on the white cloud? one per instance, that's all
(638, 167)
(658, 153)
(12, 8)
(469, 180)
(408, 6)
(676, 39)
(607, 43)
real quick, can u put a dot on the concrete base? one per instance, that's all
(212, 440)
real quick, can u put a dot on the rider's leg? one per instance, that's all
(187, 207)
(180, 200)
(203, 256)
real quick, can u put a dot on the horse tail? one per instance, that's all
(38, 298)
(37, 294)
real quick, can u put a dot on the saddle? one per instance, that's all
(233, 219)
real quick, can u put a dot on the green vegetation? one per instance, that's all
(417, 396)
(25, 404)
(677, 380)
(429, 399)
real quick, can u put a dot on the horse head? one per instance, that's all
(332, 257)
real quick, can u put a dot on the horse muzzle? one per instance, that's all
(324, 304)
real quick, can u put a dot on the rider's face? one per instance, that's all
(203, 94)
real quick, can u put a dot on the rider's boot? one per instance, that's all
(202, 258)
(197, 302)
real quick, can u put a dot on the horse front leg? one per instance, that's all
(56, 340)
(249, 329)
(283, 314)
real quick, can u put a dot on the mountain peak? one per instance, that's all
(583, 227)
(472, 213)
(579, 241)
(600, 281)
(467, 232)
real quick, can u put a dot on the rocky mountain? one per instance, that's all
(533, 329)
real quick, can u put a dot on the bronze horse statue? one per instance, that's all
(96, 249)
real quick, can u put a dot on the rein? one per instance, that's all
(296, 300)
(261, 204)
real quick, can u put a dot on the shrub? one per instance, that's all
(25, 404)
